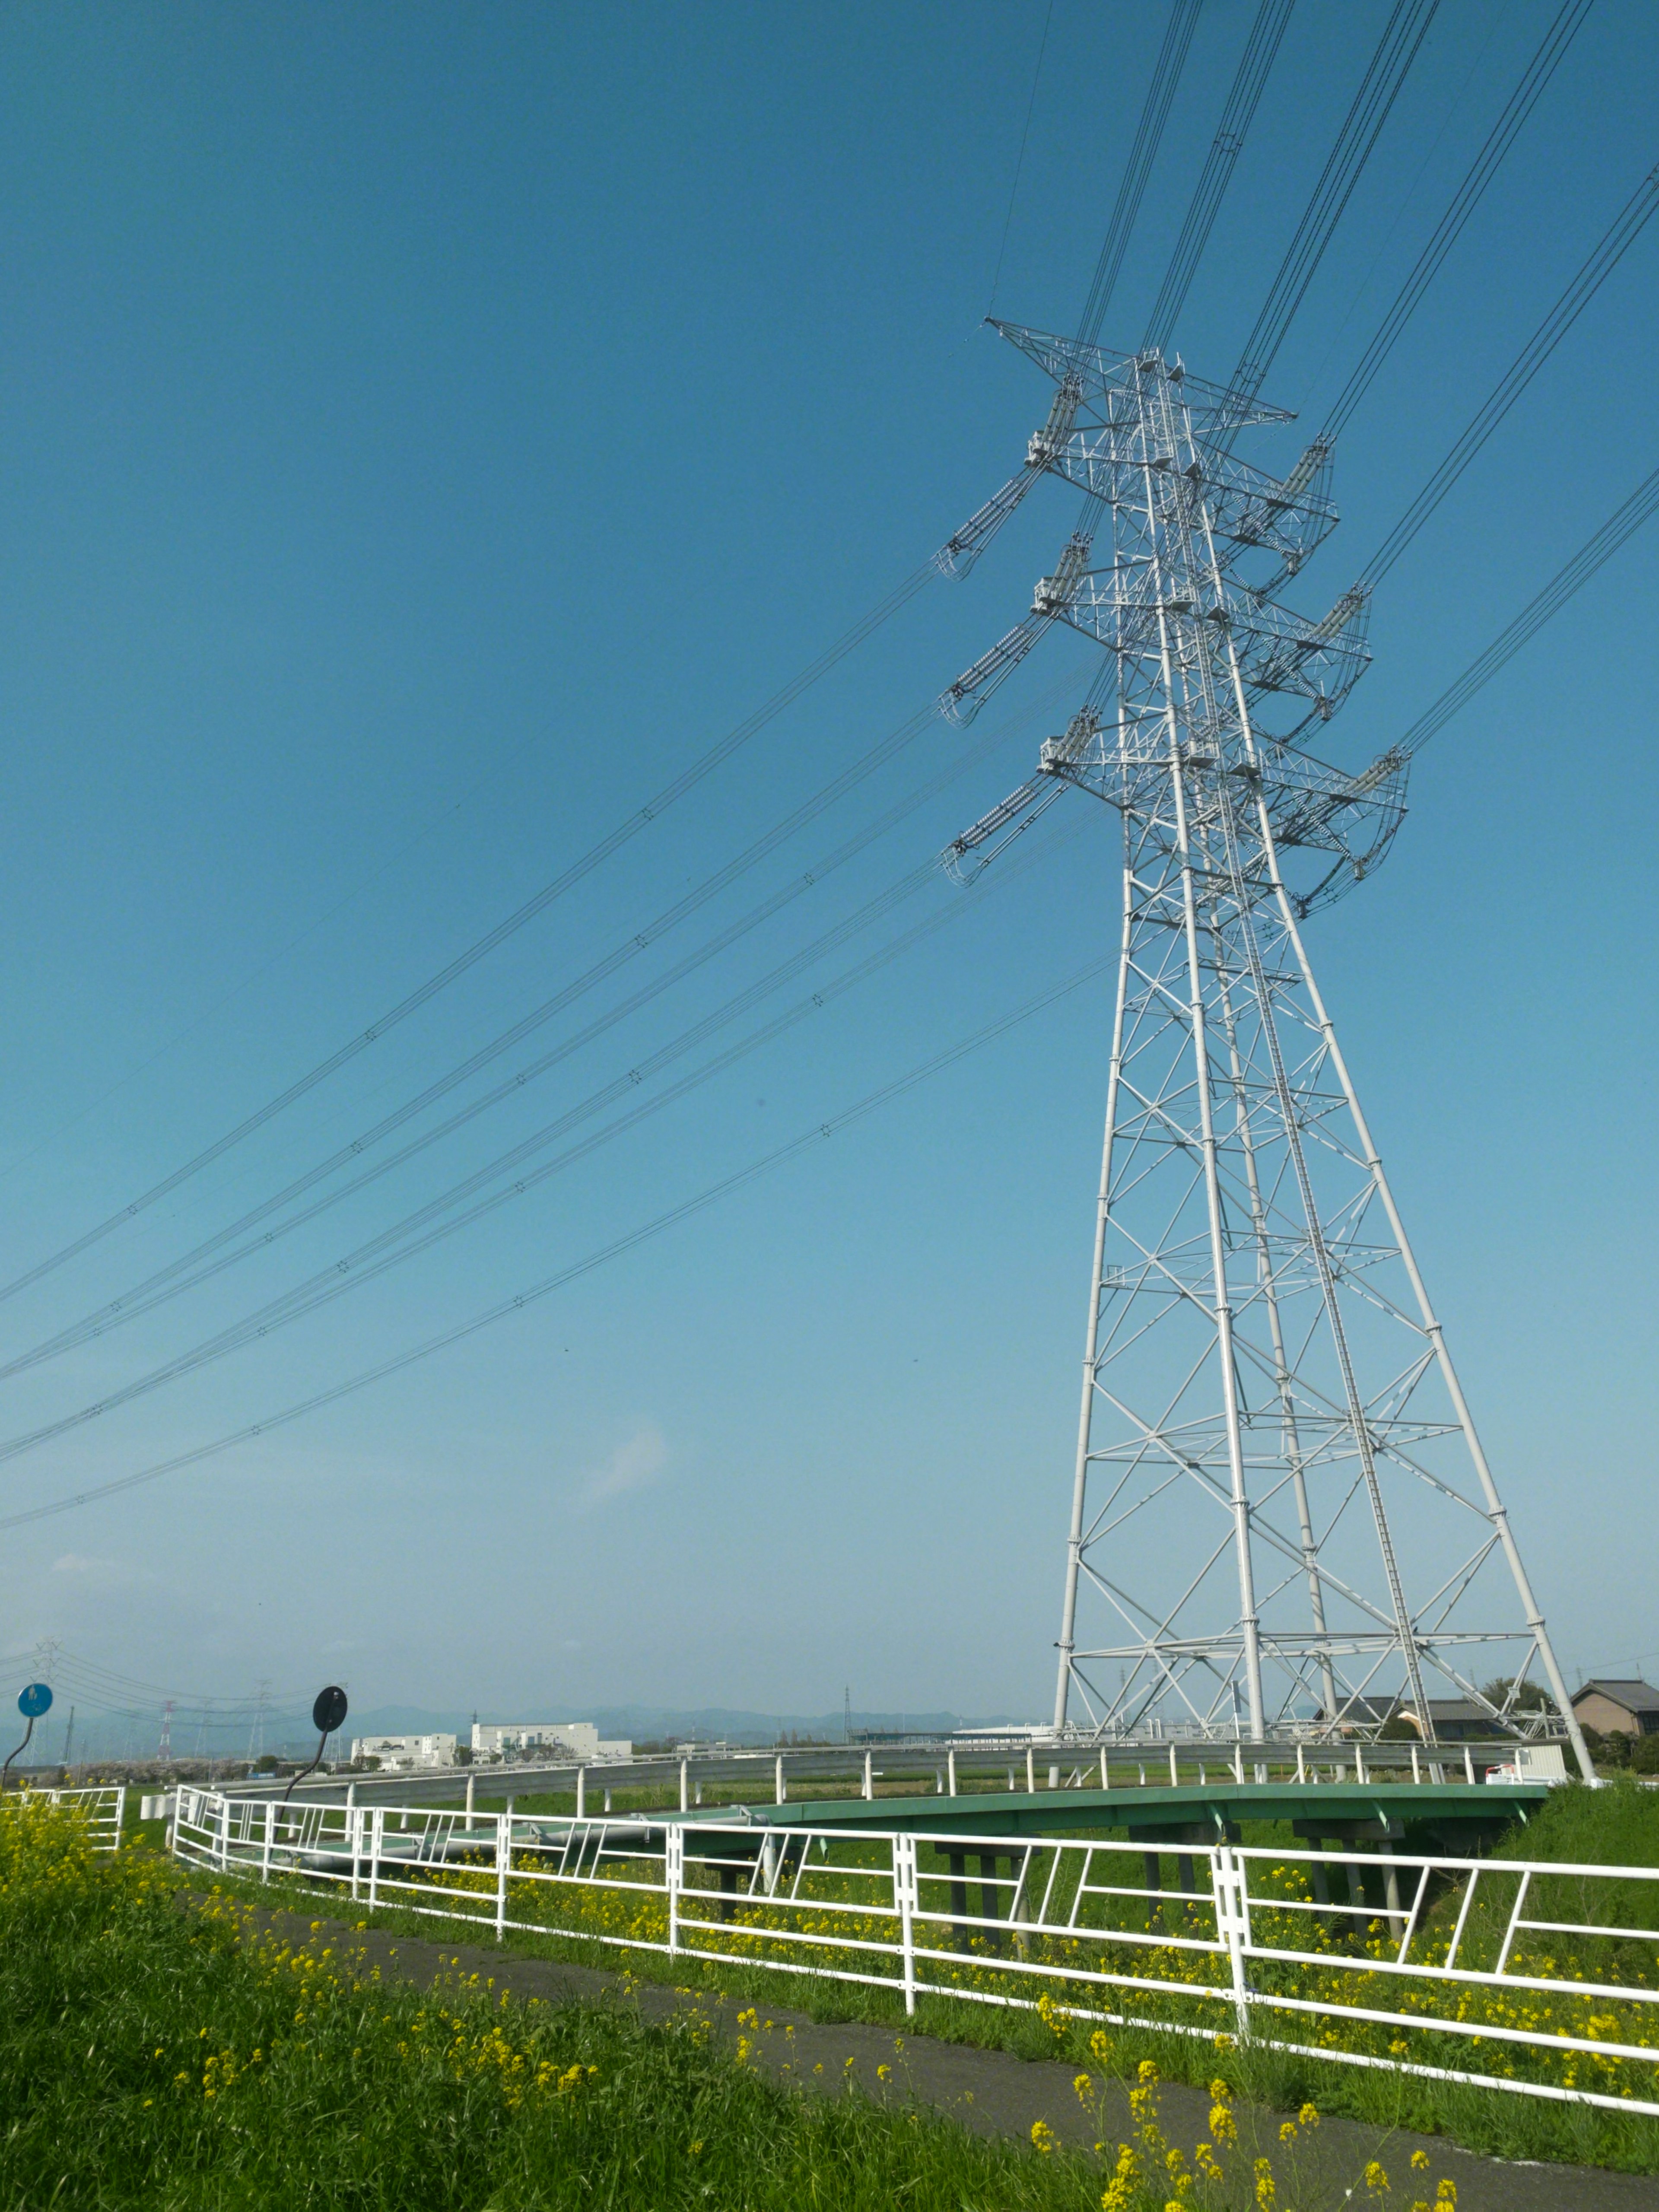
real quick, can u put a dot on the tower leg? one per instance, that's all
(1496, 1510)
(1092, 1335)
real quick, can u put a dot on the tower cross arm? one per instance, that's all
(1099, 370)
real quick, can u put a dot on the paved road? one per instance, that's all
(995, 2094)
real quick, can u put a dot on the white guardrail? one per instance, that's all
(104, 1809)
(1507, 1974)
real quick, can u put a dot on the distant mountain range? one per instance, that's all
(657, 1724)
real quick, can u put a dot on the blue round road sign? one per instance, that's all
(35, 1700)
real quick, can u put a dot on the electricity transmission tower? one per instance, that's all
(256, 1735)
(1281, 1511)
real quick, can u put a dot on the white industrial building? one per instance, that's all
(405, 1750)
(577, 1740)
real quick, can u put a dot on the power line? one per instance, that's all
(1464, 201)
(197, 1266)
(1598, 265)
(1570, 577)
(1154, 114)
(1402, 35)
(393, 1247)
(725, 1187)
(537, 903)
(1019, 164)
(1257, 59)
(1573, 575)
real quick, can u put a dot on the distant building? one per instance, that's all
(406, 1750)
(1457, 1720)
(577, 1740)
(1618, 1706)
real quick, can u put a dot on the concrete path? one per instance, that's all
(993, 2093)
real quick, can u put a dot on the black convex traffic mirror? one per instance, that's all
(328, 1713)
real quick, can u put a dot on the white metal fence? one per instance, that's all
(103, 1810)
(1535, 1977)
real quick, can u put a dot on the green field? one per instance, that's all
(155, 2051)
(1615, 1825)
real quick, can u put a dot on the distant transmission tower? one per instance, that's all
(164, 1746)
(1281, 1511)
(256, 1735)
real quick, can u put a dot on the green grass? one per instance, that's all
(148, 2055)
(155, 2050)
(1614, 1826)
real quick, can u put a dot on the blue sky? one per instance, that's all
(426, 430)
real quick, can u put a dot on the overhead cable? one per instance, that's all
(1149, 132)
(1019, 164)
(1257, 59)
(1573, 575)
(711, 1195)
(1570, 577)
(196, 1265)
(1538, 72)
(1604, 257)
(403, 1240)
(612, 842)
(1403, 34)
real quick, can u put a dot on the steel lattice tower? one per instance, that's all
(1280, 1508)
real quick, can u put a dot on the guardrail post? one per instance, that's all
(950, 1762)
(376, 1832)
(1238, 1763)
(264, 1853)
(223, 1853)
(1175, 1777)
(503, 1866)
(1232, 1920)
(779, 1782)
(173, 1821)
(1301, 1763)
(356, 1818)
(1031, 1772)
(1468, 1764)
(685, 1785)
(1514, 1920)
(869, 1775)
(904, 1896)
(471, 1784)
(582, 1793)
(674, 1877)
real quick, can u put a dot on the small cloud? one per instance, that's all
(101, 1571)
(630, 1466)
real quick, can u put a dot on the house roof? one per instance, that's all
(1636, 1696)
(1388, 1709)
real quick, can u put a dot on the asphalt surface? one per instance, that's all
(993, 2093)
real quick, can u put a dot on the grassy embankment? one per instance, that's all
(1619, 1826)
(154, 2052)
